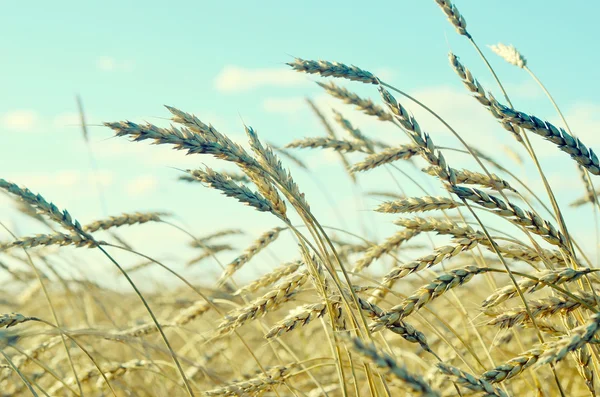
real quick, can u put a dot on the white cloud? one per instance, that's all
(142, 185)
(110, 64)
(20, 120)
(235, 79)
(283, 105)
(65, 178)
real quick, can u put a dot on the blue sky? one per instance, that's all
(225, 62)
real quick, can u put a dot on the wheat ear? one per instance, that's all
(261, 243)
(415, 383)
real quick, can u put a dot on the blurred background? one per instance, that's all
(225, 62)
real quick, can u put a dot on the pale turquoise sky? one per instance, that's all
(224, 61)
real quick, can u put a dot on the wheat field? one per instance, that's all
(480, 289)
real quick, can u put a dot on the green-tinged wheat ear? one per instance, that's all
(513, 367)
(333, 69)
(427, 293)
(45, 207)
(383, 361)
(199, 140)
(447, 251)
(11, 319)
(469, 381)
(272, 164)
(421, 139)
(549, 277)
(543, 308)
(50, 239)
(561, 138)
(578, 338)
(232, 189)
(479, 93)
(454, 17)
(515, 214)
(262, 242)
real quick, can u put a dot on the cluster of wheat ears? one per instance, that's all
(487, 313)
